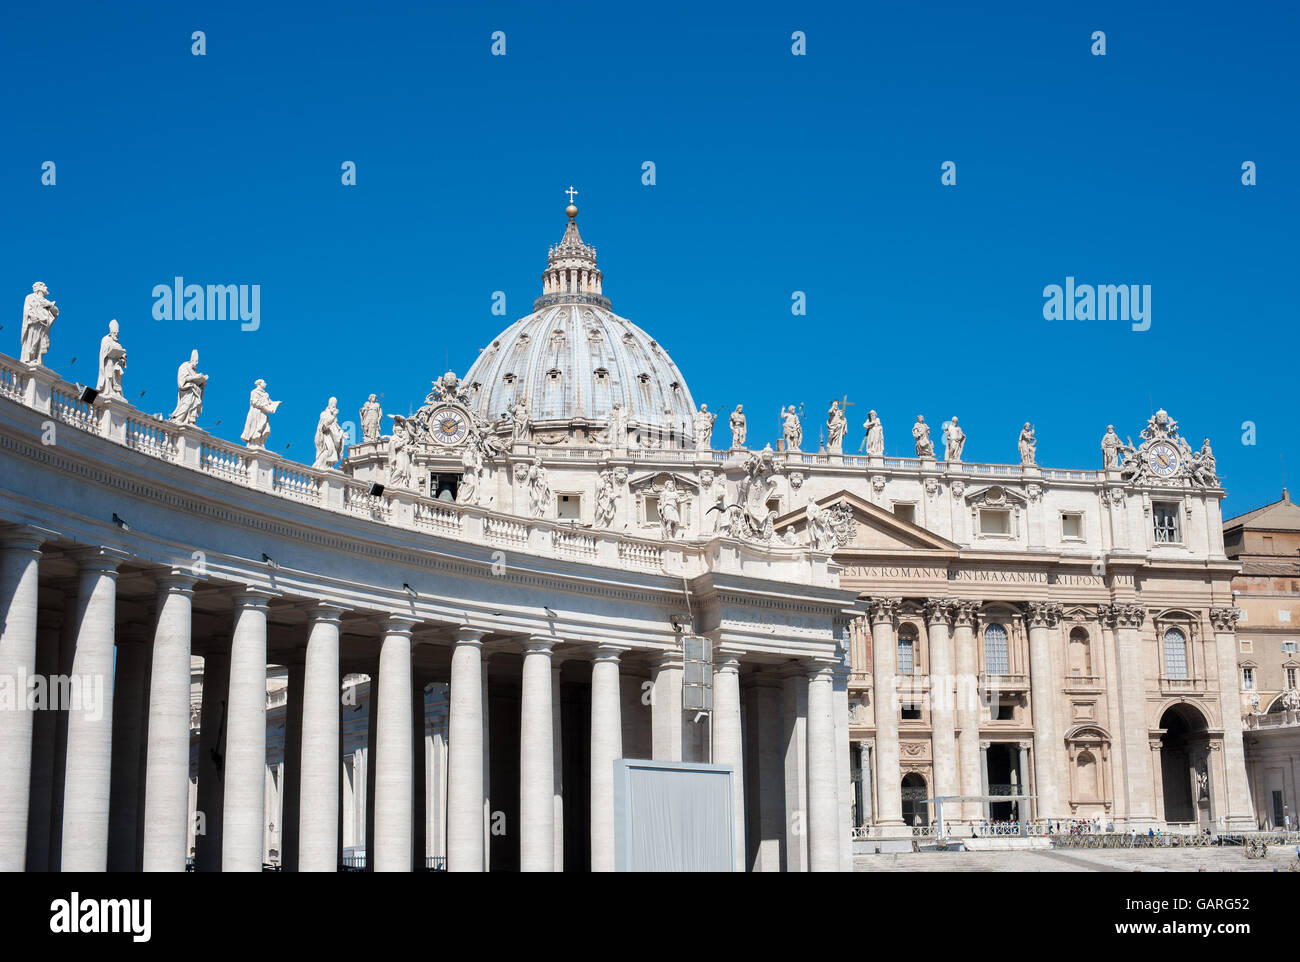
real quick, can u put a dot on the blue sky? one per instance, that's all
(775, 174)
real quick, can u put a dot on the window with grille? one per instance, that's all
(1164, 516)
(1175, 654)
(996, 661)
(1248, 679)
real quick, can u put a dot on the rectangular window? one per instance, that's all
(568, 507)
(1284, 614)
(1290, 678)
(995, 522)
(651, 509)
(906, 657)
(1164, 517)
(1248, 679)
(996, 661)
(911, 712)
(1246, 645)
(1071, 526)
(1004, 711)
(1175, 654)
(905, 512)
(1290, 646)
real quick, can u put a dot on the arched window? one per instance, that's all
(1175, 653)
(1080, 653)
(906, 650)
(996, 660)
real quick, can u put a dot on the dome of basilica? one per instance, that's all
(573, 358)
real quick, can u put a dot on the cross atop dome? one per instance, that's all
(571, 275)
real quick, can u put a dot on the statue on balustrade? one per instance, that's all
(471, 463)
(539, 491)
(372, 419)
(702, 428)
(954, 441)
(257, 425)
(921, 433)
(190, 385)
(617, 433)
(1111, 446)
(399, 453)
(791, 428)
(112, 364)
(39, 313)
(837, 425)
(1202, 466)
(874, 442)
(1028, 446)
(738, 428)
(519, 416)
(329, 436)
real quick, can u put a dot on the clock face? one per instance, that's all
(1163, 459)
(448, 426)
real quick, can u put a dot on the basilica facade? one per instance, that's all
(536, 557)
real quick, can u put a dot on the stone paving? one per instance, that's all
(1211, 859)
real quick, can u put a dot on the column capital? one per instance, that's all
(940, 611)
(471, 635)
(252, 597)
(400, 624)
(966, 611)
(669, 658)
(176, 581)
(882, 610)
(1122, 614)
(323, 612)
(25, 537)
(101, 559)
(1225, 619)
(820, 669)
(1043, 614)
(727, 658)
(539, 644)
(609, 652)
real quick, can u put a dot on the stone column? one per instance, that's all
(1237, 815)
(465, 754)
(727, 741)
(606, 747)
(244, 813)
(130, 669)
(794, 712)
(486, 798)
(212, 756)
(537, 759)
(765, 778)
(666, 708)
(67, 652)
(291, 784)
(864, 766)
(1028, 810)
(823, 852)
(167, 770)
(1127, 619)
(967, 707)
(44, 725)
(318, 787)
(984, 778)
(393, 748)
(1042, 616)
(843, 776)
(883, 614)
(419, 777)
(20, 555)
(557, 742)
(938, 614)
(90, 717)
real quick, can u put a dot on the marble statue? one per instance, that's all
(702, 428)
(399, 454)
(606, 499)
(1291, 699)
(112, 364)
(954, 440)
(791, 428)
(539, 491)
(39, 313)
(837, 425)
(1252, 703)
(190, 385)
(329, 436)
(471, 463)
(821, 534)
(372, 419)
(757, 519)
(1202, 783)
(1110, 448)
(921, 432)
(738, 428)
(874, 442)
(617, 426)
(257, 425)
(1028, 445)
(670, 515)
(519, 415)
(1202, 466)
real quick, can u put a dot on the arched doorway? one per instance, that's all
(1184, 765)
(915, 811)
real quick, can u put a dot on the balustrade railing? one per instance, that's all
(574, 544)
(504, 531)
(295, 484)
(223, 462)
(12, 383)
(358, 500)
(436, 517)
(70, 409)
(151, 437)
(640, 555)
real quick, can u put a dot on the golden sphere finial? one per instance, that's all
(572, 211)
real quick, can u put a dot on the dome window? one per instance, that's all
(602, 375)
(553, 375)
(643, 378)
(629, 338)
(509, 379)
